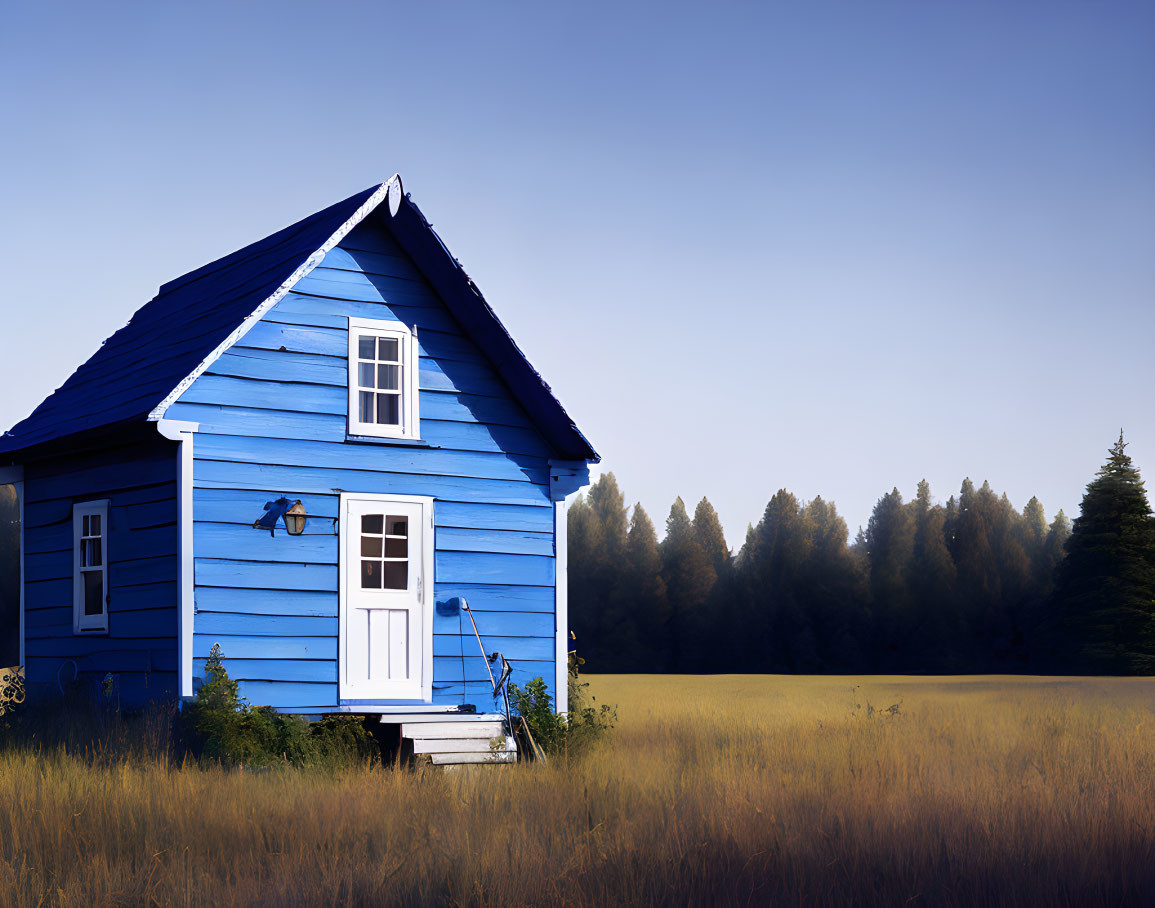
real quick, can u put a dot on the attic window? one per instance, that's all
(90, 567)
(382, 379)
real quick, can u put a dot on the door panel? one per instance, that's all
(386, 602)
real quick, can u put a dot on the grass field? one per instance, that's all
(746, 790)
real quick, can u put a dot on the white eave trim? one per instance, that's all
(379, 195)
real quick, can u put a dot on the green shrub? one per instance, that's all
(563, 734)
(219, 725)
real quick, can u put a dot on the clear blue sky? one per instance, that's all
(827, 247)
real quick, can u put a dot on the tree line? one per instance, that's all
(972, 585)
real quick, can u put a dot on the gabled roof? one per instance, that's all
(171, 340)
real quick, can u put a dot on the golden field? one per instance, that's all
(750, 790)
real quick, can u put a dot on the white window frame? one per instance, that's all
(82, 623)
(410, 427)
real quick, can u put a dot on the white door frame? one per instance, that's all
(425, 591)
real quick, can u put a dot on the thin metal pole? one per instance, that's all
(480, 645)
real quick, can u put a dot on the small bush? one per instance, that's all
(221, 726)
(563, 734)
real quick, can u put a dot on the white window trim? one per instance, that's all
(81, 623)
(410, 427)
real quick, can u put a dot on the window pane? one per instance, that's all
(388, 409)
(365, 347)
(84, 526)
(370, 575)
(387, 349)
(95, 526)
(365, 375)
(371, 546)
(396, 548)
(398, 526)
(366, 405)
(93, 592)
(372, 523)
(396, 575)
(388, 378)
(95, 558)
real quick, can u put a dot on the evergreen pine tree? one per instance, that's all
(689, 577)
(647, 594)
(586, 604)
(708, 532)
(609, 505)
(1106, 590)
(1055, 547)
(933, 582)
(890, 545)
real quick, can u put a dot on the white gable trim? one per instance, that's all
(392, 184)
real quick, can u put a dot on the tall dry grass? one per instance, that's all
(716, 790)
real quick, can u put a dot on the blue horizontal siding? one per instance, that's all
(502, 541)
(232, 624)
(140, 547)
(286, 695)
(496, 597)
(264, 576)
(59, 510)
(518, 648)
(290, 603)
(307, 480)
(452, 435)
(314, 671)
(493, 624)
(273, 419)
(491, 567)
(383, 458)
(324, 671)
(265, 647)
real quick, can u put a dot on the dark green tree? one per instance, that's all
(890, 546)
(689, 579)
(708, 532)
(609, 506)
(585, 578)
(933, 582)
(1106, 590)
(646, 595)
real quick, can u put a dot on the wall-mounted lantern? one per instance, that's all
(295, 518)
(293, 513)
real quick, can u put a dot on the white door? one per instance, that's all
(386, 632)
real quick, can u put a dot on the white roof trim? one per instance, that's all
(309, 264)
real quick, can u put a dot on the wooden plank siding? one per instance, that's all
(140, 647)
(273, 421)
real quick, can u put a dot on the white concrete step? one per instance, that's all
(474, 729)
(457, 759)
(499, 744)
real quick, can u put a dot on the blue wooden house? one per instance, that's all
(305, 452)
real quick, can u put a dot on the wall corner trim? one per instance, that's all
(561, 607)
(182, 432)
